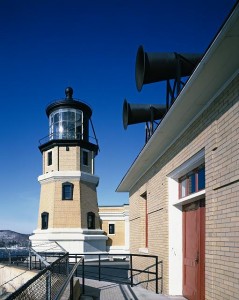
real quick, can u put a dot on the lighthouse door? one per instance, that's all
(194, 250)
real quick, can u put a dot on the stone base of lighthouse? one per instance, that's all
(72, 240)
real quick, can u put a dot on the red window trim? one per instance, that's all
(186, 176)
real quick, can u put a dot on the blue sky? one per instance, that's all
(47, 45)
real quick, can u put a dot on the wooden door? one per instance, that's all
(194, 250)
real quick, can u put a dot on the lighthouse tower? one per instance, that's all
(68, 210)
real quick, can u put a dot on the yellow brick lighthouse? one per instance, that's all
(68, 210)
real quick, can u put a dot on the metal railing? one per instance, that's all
(124, 266)
(32, 257)
(69, 280)
(53, 279)
(46, 284)
(11, 255)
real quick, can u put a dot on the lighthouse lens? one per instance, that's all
(66, 124)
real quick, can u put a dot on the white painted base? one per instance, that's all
(73, 240)
(117, 250)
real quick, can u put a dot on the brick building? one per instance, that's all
(184, 185)
(115, 224)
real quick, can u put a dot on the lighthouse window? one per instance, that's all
(49, 158)
(91, 220)
(85, 158)
(78, 126)
(67, 191)
(56, 117)
(44, 220)
(66, 123)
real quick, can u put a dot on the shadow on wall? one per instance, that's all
(109, 242)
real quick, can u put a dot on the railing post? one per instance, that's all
(157, 277)
(83, 275)
(10, 259)
(71, 288)
(131, 271)
(76, 273)
(48, 285)
(30, 261)
(67, 266)
(99, 269)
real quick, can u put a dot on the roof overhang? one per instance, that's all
(215, 71)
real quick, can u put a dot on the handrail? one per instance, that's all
(131, 268)
(33, 279)
(69, 278)
(75, 260)
(67, 136)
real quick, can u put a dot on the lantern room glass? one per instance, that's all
(66, 123)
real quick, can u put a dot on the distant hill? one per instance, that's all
(10, 238)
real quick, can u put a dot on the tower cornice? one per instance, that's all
(68, 175)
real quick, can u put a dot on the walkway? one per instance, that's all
(112, 291)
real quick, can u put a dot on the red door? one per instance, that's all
(194, 250)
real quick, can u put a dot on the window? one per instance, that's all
(66, 123)
(67, 191)
(183, 187)
(90, 220)
(49, 158)
(44, 220)
(85, 158)
(111, 228)
(201, 179)
(192, 182)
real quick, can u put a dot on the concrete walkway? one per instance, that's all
(112, 291)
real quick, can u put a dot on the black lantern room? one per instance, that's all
(69, 124)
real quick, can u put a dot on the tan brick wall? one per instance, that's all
(89, 203)
(68, 159)
(68, 213)
(115, 215)
(62, 213)
(137, 216)
(63, 160)
(114, 209)
(222, 206)
(46, 202)
(117, 239)
(54, 165)
(157, 228)
(216, 130)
